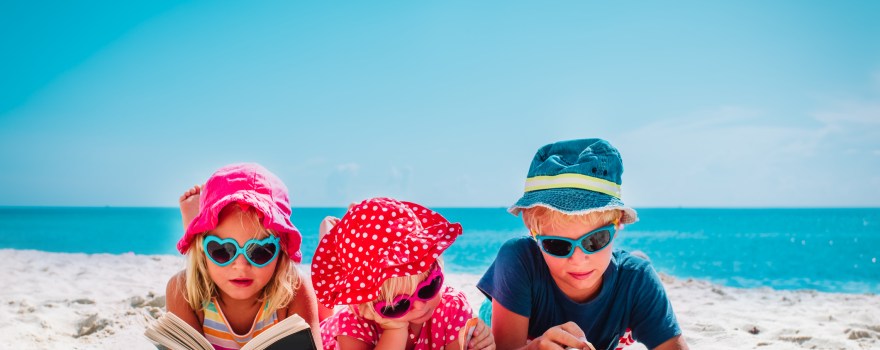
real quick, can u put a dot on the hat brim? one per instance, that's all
(573, 201)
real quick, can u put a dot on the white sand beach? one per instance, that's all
(80, 301)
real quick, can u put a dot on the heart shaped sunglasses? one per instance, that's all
(402, 304)
(224, 251)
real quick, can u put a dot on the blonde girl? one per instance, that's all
(382, 260)
(240, 245)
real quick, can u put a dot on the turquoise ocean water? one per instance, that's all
(834, 250)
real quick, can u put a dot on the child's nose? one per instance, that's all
(418, 305)
(240, 262)
(579, 254)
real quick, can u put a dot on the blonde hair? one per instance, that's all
(395, 286)
(539, 219)
(279, 291)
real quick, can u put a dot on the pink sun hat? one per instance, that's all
(247, 184)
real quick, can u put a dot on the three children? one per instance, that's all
(562, 287)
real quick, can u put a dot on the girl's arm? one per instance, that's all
(511, 332)
(175, 301)
(348, 343)
(305, 304)
(394, 332)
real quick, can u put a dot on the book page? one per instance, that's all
(290, 325)
(172, 332)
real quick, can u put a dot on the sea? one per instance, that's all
(830, 250)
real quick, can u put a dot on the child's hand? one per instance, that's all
(326, 225)
(566, 336)
(482, 338)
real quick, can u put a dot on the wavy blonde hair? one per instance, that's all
(279, 291)
(539, 219)
(395, 286)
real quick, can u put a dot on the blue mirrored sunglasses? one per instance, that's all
(224, 251)
(590, 243)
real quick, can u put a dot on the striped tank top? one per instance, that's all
(220, 334)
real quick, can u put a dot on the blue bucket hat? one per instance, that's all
(575, 177)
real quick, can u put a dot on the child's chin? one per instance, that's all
(583, 284)
(239, 293)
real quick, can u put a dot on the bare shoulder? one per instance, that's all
(175, 301)
(304, 302)
(175, 290)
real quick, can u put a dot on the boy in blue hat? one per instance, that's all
(564, 287)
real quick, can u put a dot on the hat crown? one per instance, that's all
(382, 223)
(242, 183)
(590, 157)
(575, 177)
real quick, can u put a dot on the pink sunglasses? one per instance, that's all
(425, 291)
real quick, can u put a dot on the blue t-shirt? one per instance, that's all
(631, 296)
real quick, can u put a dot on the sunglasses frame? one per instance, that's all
(242, 250)
(435, 273)
(578, 243)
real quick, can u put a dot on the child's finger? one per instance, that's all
(330, 220)
(482, 341)
(326, 225)
(564, 338)
(481, 335)
(573, 329)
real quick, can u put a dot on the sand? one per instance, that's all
(101, 301)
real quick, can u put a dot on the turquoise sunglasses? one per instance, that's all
(224, 251)
(591, 243)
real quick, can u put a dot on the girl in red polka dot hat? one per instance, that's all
(382, 259)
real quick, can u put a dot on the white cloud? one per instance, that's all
(349, 168)
(734, 156)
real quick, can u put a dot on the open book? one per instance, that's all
(169, 331)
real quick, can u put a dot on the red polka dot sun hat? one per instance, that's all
(377, 239)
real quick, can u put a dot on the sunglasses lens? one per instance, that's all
(261, 254)
(395, 310)
(597, 241)
(220, 253)
(556, 247)
(429, 291)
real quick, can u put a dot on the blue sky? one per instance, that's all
(737, 104)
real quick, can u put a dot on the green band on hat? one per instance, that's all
(570, 180)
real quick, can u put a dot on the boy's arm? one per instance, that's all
(509, 328)
(676, 343)
(511, 332)
(653, 321)
(175, 301)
